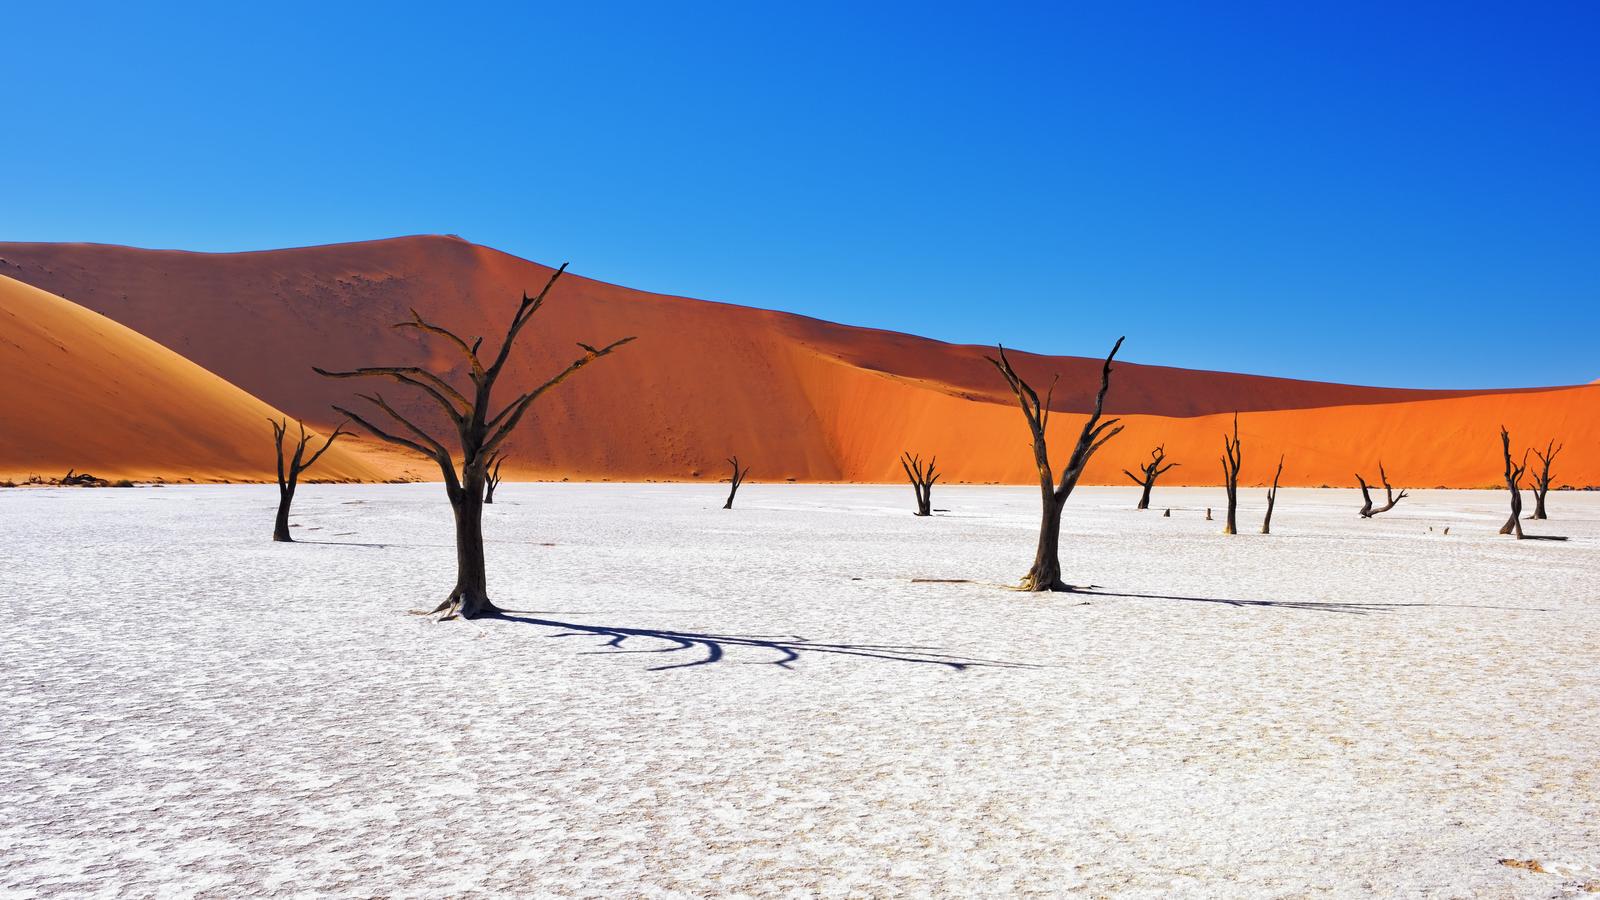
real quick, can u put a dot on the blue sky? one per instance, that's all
(1338, 191)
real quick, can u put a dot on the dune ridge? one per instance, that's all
(799, 398)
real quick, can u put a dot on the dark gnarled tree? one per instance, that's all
(1514, 473)
(1045, 574)
(922, 479)
(1272, 498)
(1540, 484)
(289, 474)
(480, 432)
(1232, 458)
(491, 475)
(1390, 497)
(735, 479)
(1148, 473)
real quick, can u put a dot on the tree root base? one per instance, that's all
(454, 608)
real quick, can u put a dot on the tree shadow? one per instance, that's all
(788, 648)
(1357, 609)
(347, 544)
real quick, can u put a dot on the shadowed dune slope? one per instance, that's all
(84, 392)
(797, 397)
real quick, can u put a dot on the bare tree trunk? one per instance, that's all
(480, 432)
(471, 593)
(1148, 473)
(280, 526)
(1541, 480)
(1272, 499)
(1513, 474)
(734, 480)
(1513, 525)
(1045, 573)
(922, 479)
(289, 473)
(491, 478)
(1232, 458)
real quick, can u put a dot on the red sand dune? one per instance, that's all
(84, 392)
(796, 397)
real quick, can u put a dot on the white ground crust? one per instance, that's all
(1346, 708)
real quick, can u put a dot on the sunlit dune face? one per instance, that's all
(795, 397)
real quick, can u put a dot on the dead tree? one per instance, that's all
(922, 479)
(1390, 497)
(1272, 498)
(1045, 574)
(734, 480)
(1232, 458)
(289, 476)
(1148, 473)
(480, 432)
(1540, 485)
(491, 476)
(1514, 472)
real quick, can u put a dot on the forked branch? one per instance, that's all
(1513, 476)
(1149, 472)
(492, 476)
(478, 437)
(1232, 459)
(289, 470)
(922, 479)
(506, 420)
(735, 479)
(1390, 497)
(1541, 479)
(1045, 574)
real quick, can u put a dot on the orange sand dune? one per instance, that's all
(84, 392)
(797, 397)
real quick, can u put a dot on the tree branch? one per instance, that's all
(326, 444)
(506, 420)
(525, 311)
(436, 387)
(393, 439)
(421, 324)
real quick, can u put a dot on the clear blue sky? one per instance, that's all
(1385, 193)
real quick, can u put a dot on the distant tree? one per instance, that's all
(289, 475)
(1045, 574)
(1541, 479)
(734, 480)
(922, 479)
(1232, 458)
(1148, 473)
(1272, 498)
(1514, 472)
(1390, 497)
(480, 432)
(491, 475)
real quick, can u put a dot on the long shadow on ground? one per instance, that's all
(1357, 609)
(787, 647)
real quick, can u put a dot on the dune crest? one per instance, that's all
(797, 398)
